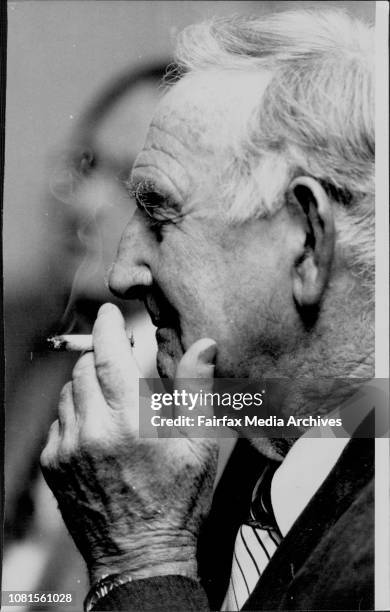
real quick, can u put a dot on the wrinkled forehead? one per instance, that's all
(206, 110)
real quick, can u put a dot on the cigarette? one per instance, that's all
(75, 342)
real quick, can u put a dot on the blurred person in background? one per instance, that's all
(253, 249)
(87, 207)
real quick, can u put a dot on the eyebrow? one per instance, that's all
(135, 187)
(142, 190)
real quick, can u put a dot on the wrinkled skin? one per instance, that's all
(130, 504)
(201, 275)
(201, 278)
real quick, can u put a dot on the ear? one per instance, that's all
(312, 267)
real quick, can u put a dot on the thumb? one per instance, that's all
(195, 377)
(198, 362)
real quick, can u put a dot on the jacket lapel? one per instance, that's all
(352, 472)
(229, 509)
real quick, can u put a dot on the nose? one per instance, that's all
(130, 275)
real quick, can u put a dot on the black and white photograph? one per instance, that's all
(195, 305)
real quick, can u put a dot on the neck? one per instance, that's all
(327, 367)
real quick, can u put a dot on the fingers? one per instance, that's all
(195, 375)
(87, 394)
(66, 415)
(49, 454)
(198, 361)
(195, 371)
(116, 370)
(62, 433)
(101, 380)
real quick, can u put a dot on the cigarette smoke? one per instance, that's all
(70, 185)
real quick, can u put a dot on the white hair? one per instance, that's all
(316, 116)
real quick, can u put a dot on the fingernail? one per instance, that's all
(208, 353)
(106, 308)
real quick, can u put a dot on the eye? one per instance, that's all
(154, 204)
(159, 208)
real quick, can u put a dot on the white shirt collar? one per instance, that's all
(302, 472)
(311, 459)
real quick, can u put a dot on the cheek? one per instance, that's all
(254, 316)
(187, 267)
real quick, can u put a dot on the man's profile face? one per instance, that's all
(200, 274)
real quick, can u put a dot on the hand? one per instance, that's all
(130, 504)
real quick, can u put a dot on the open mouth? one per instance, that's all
(168, 334)
(161, 312)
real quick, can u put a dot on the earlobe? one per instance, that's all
(313, 265)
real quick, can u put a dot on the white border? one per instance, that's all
(382, 514)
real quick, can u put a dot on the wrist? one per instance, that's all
(106, 584)
(147, 562)
(170, 568)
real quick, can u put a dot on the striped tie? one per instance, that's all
(256, 542)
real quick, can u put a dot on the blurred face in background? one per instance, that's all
(92, 206)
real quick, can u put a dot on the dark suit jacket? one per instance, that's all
(325, 562)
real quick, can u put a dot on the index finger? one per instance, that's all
(115, 366)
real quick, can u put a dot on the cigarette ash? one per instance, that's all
(57, 343)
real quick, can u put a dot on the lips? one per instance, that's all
(166, 319)
(154, 310)
(161, 312)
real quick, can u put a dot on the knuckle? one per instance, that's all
(104, 367)
(53, 433)
(65, 454)
(114, 384)
(48, 458)
(45, 458)
(97, 436)
(91, 436)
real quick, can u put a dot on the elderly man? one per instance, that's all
(252, 248)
